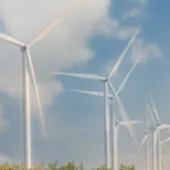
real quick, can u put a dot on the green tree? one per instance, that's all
(124, 167)
(71, 166)
(103, 167)
(132, 167)
(53, 165)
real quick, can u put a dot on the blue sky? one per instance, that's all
(88, 41)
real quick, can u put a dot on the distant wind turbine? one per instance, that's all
(145, 140)
(115, 128)
(115, 124)
(29, 74)
(159, 123)
(106, 81)
(157, 127)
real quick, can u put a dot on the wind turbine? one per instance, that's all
(106, 81)
(29, 74)
(145, 140)
(115, 123)
(157, 127)
(159, 137)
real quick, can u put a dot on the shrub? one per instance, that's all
(54, 166)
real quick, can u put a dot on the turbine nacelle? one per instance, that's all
(105, 80)
(24, 48)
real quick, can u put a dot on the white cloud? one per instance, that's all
(112, 28)
(65, 47)
(132, 13)
(144, 51)
(141, 2)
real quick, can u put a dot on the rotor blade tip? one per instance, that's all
(72, 90)
(53, 73)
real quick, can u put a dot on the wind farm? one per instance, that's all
(97, 80)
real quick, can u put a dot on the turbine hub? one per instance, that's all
(116, 122)
(106, 80)
(23, 48)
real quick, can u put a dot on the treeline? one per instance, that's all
(54, 166)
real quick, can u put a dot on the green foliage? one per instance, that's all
(54, 166)
(103, 167)
(69, 166)
(124, 167)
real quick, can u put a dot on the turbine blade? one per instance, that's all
(114, 111)
(120, 59)
(164, 126)
(116, 118)
(136, 121)
(147, 120)
(124, 114)
(11, 40)
(122, 85)
(85, 76)
(93, 93)
(35, 87)
(132, 122)
(166, 140)
(154, 108)
(150, 112)
(143, 141)
(45, 32)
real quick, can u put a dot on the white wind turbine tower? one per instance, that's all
(152, 130)
(106, 81)
(115, 123)
(145, 140)
(163, 144)
(29, 74)
(157, 127)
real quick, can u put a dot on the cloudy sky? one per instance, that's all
(89, 40)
